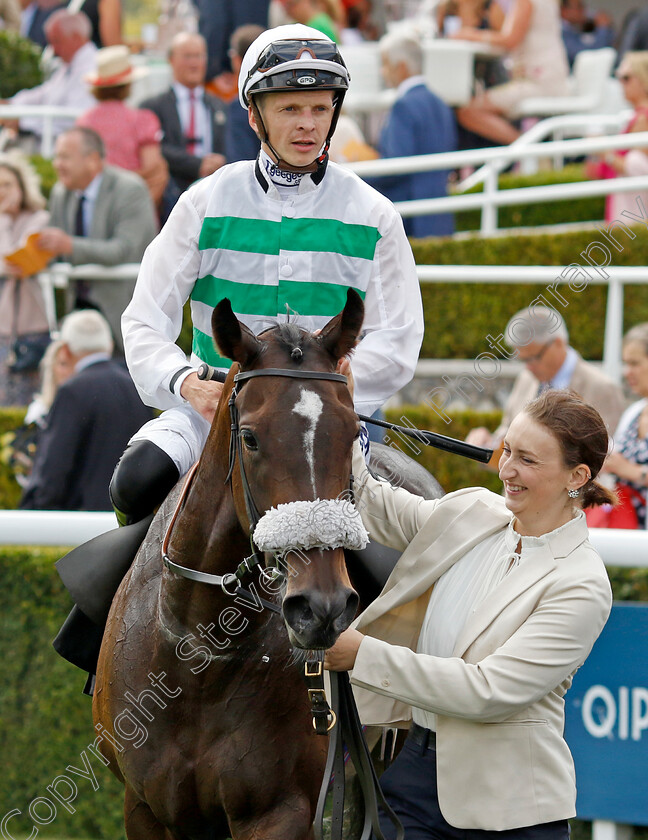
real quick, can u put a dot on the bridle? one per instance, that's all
(236, 447)
(230, 582)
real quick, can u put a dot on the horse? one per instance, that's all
(200, 705)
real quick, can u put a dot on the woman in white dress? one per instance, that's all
(531, 35)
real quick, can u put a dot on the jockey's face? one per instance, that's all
(297, 123)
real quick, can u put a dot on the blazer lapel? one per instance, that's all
(97, 228)
(431, 553)
(174, 126)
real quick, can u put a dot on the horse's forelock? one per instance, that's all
(290, 338)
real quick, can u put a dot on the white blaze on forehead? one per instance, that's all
(309, 405)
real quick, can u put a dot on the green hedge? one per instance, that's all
(45, 720)
(459, 316)
(10, 491)
(19, 64)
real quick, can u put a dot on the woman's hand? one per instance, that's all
(616, 162)
(468, 33)
(342, 656)
(17, 272)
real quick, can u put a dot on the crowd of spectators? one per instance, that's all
(122, 168)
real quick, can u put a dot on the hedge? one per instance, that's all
(45, 720)
(19, 64)
(459, 316)
(10, 490)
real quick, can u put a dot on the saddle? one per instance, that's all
(93, 571)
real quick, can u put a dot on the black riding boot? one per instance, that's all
(142, 480)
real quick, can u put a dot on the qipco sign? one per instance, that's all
(607, 721)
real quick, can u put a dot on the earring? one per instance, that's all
(573, 494)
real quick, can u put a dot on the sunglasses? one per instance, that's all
(283, 51)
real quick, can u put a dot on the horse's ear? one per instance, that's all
(340, 335)
(233, 339)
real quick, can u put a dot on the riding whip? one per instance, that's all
(447, 444)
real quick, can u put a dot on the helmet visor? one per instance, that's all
(280, 52)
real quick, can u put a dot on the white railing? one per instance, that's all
(554, 128)
(48, 114)
(59, 275)
(491, 198)
(615, 277)
(67, 528)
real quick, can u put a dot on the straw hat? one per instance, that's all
(114, 68)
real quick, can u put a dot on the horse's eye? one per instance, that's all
(249, 439)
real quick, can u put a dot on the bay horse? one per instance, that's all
(200, 705)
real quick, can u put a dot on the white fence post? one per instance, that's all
(489, 209)
(612, 364)
(606, 830)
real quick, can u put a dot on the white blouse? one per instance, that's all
(460, 590)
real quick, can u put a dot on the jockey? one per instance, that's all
(283, 237)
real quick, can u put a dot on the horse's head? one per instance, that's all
(293, 442)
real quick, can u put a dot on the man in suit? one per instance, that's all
(98, 214)
(34, 15)
(94, 414)
(419, 123)
(241, 143)
(539, 338)
(193, 122)
(217, 19)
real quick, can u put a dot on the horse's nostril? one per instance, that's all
(314, 612)
(297, 612)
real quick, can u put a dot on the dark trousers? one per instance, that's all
(410, 788)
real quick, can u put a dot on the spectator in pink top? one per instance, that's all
(633, 75)
(131, 135)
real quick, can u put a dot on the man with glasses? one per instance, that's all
(540, 340)
(283, 237)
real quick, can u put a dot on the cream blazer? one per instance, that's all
(501, 757)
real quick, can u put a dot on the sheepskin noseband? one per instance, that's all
(327, 523)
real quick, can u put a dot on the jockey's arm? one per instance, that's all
(385, 359)
(152, 321)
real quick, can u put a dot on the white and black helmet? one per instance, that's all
(291, 58)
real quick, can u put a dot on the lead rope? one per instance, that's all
(348, 730)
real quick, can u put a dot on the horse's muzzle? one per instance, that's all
(315, 619)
